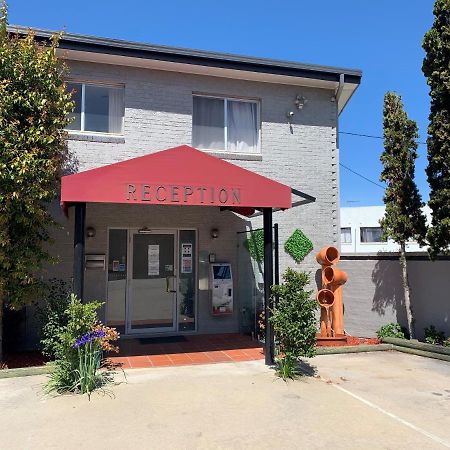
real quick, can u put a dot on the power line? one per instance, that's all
(370, 136)
(361, 176)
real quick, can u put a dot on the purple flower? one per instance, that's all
(88, 338)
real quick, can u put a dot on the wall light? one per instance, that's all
(300, 101)
(90, 232)
(144, 230)
(214, 233)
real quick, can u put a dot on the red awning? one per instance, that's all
(177, 176)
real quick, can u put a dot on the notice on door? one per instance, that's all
(186, 257)
(153, 260)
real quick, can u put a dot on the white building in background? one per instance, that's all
(361, 231)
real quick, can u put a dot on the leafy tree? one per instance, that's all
(34, 108)
(403, 219)
(436, 67)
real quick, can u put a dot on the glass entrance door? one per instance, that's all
(152, 282)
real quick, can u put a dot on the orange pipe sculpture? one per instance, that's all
(330, 297)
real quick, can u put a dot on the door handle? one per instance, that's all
(168, 286)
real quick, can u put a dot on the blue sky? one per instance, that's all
(382, 37)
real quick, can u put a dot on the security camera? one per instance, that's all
(290, 114)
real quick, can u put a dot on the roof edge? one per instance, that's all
(87, 43)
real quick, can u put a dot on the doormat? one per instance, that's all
(163, 340)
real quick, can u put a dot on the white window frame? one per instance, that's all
(225, 118)
(370, 242)
(351, 237)
(83, 84)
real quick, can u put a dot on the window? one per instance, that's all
(225, 124)
(371, 234)
(97, 108)
(346, 235)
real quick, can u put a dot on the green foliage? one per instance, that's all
(436, 68)
(77, 369)
(294, 316)
(53, 317)
(287, 368)
(391, 330)
(255, 245)
(403, 219)
(433, 336)
(34, 109)
(298, 245)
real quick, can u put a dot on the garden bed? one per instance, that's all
(350, 341)
(23, 359)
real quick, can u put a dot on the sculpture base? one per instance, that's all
(335, 341)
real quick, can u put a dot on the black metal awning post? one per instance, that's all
(276, 243)
(78, 250)
(268, 282)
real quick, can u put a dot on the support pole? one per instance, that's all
(277, 253)
(268, 282)
(78, 250)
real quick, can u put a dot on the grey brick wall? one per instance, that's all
(158, 115)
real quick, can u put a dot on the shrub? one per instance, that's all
(391, 330)
(79, 366)
(52, 316)
(433, 336)
(294, 322)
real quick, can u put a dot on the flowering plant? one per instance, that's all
(108, 335)
(89, 338)
(79, 365)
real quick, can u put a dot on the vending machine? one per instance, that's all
(222, 289)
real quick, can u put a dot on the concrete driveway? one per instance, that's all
(362, 401)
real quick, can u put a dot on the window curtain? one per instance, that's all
(116, 110)
(242, 127)
(208, 123)
(346, 235)
(371, 234)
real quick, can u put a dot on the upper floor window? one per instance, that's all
(346, 235)
(98, 108)
(225, 124)
(371, 234)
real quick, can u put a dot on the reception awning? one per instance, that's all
(177, 176)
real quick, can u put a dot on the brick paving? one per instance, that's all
(196, 349)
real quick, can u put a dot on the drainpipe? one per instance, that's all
(337, 96)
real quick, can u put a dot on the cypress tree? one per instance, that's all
(403, 219)
(436, 67)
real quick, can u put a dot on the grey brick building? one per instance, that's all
(275, 118)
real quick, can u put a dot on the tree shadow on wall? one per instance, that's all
(386, 277)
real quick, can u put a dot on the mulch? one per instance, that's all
(352, 340)
(23, 359)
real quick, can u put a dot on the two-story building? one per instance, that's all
(176, 154)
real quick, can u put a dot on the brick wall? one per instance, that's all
(158, 115)
(158, 112)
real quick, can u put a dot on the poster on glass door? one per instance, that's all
(186, 257)
(153, 260)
